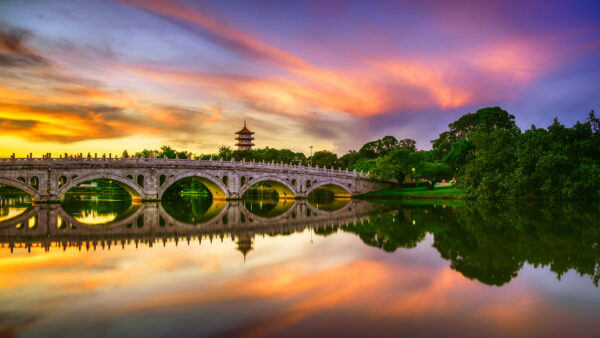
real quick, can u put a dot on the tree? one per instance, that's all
(397, 164)
(408, 143)
(484, 119)
(594, 122)
(365, 165)
(225, 153)
(378, 148)
(324, 158)
(386, 144)
(350, 159)
(433, 171)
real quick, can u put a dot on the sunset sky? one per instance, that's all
(104, 76)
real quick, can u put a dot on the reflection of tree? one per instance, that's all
(99, 204)
(491, 242)
(268, 207)
(389, 231)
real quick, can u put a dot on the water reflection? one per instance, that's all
(423, 269)
(491, 242)
(12, 205)
(193, 209)
(98, 208)
(488, 242)
(268, 207)
(91, 221)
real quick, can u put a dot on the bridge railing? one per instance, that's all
(178, 162)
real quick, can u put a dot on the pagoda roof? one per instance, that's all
(245, 130)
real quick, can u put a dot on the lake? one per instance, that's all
(102, 265)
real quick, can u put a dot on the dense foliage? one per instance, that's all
(492, 158)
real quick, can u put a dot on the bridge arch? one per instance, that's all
(135, 191)
(217, 189)
(338, 188)
(283, 187)
(21, 186)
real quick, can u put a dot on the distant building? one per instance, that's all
(244, 138)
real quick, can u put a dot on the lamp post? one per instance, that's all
(311, 156)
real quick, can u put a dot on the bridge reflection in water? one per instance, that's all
(131, 223)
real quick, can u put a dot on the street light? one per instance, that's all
(311, 155)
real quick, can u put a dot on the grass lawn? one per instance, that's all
(447, 192)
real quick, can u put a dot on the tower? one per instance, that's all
(244, 138)
(244, 244)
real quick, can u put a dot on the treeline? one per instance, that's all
(493, 159)
(485, 151)
(386, 158)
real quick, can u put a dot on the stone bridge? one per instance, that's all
(48, 179)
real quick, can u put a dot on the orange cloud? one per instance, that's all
(370, 87)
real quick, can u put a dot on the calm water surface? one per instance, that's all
(100, 265)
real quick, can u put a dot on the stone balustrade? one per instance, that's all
(47, 179)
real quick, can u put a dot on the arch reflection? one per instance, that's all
(151, 223)
(192, 209)
(268, 208)
(330, 205)
(13, 205)
(98, 209)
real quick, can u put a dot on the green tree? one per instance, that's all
(365, 165)
(397, 164)
(433, 172)
(225, 153)
(324, 158)
(485, 119)
(408, 143)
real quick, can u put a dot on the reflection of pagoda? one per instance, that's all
(244, 244)
(244, 138)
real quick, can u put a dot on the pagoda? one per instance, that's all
(244, 244)
(244, 138)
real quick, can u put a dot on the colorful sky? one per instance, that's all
(103, 76)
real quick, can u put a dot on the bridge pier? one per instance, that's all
(47, 199)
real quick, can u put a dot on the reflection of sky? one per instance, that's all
(328, 74)
(11, 212)
(93, 217)
(334, 285)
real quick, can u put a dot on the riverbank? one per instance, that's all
(443, 192)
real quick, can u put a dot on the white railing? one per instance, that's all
(51, 161)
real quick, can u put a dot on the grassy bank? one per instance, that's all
(447, 192)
